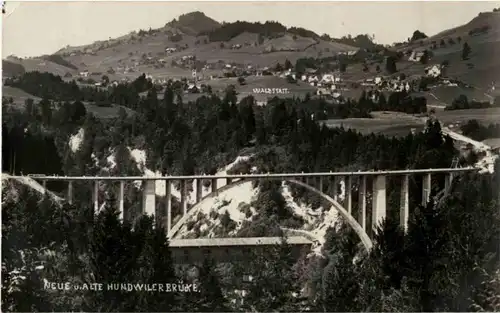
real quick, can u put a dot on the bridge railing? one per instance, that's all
(335, 180)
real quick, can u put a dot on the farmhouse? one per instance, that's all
(416, 56)
(312, 79)
(434, 70)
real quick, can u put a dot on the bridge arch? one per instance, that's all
(334, 204)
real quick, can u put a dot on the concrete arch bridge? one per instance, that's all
(372, 182)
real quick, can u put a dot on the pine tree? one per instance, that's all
(154, 264)
(340, 279)
(211, 297)
(110, 259)
(466, 50)
(274, 285)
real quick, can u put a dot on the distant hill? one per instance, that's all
(214, 45)
(159, 51)
(10, 68)
(265, 30)
(194, 23)
(486, 23)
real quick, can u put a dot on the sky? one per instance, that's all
(37, 28)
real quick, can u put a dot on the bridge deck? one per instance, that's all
(227, 242)
(253, 176)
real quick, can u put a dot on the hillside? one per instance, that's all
(192, 34)
(484, 22)
(194, 23)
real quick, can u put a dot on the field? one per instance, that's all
(400, 124)
(19, 96)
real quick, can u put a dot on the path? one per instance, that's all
(486, 163)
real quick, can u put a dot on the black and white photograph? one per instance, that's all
(259, 156)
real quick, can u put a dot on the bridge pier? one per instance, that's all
(404, 210)
(70, 192)
(168, 204)
(348, 194)
(426, 189)
(379, 201)
(335, 189)
(183, 197)
(121, 201)
(95, 196)
(44, 184)
(149, 198)
(213, 185)
(199, 189)
(320, 184)
(447, 181)
(362, 202)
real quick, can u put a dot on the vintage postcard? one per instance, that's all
(260, 156)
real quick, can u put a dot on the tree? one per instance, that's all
(46, 110)
(241, 80)
(461, 102)
(390, 65)
(105, 80)
(278, 68)
(211, 297)
(288, 65)
(339, 280)
(417, 35)
(273, 280)
(424, 59)
(343, 67)
(466, 50)
(109, 247)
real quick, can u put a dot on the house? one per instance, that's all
(84, 73)
(322, 91)
(336, 95)
(170, 50)
(193, 88)
(368, 82)
(434, 70)
(328, 78)
(312, 79)
(378, 80)
(416, 56)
